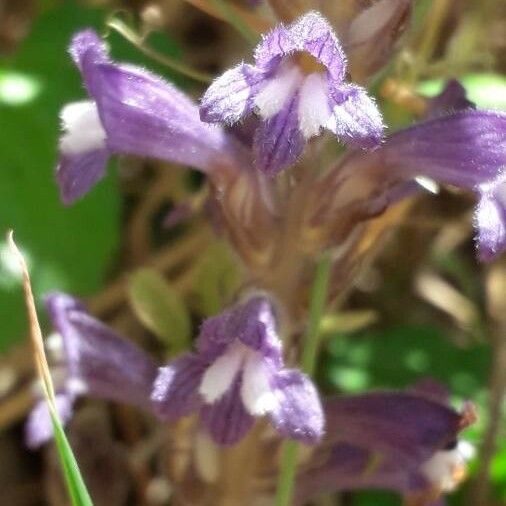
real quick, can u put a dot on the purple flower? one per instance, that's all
(297, 88)
(403, 441)
(466, 149)
(96, 362)
(237, 374)
(130, 111)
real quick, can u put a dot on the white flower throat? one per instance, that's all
(256, 391)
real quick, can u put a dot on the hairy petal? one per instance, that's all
(355, 116)
(278, 141)
(229, 98)
(465, 149)
(227, 420)
(252, 322)
(298, 414)
(146, 116)
(175, 390)
(490, 219)
(312, 34)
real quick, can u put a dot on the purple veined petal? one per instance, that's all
(145, 116)
(298, 414)
(252, 322)
(355, 117)
(175, 390)
(490, 220)
(77, 174)
(99, 362)
(229, 98)
(312, 34)
(465, 149)
(278, 142)
(39, 427)
(227, 420)
(214, 338)
(452, 98)
(405, 427)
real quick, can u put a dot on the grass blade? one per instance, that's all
(75, 484)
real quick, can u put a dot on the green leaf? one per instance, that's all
(160, 308)
(487, 91)
(365, 361)
(217, 277)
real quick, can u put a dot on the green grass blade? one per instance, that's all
(78, 492)
(76, 487)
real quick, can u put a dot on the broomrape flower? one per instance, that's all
(130, 111)
(237, 374)
(95, 361)
(133, 112)
(297, 87)
(407, 442)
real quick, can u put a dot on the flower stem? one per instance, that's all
(138, 41)
(319, 291)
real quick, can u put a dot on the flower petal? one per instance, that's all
(227, 420)
(87, 46)
(490, 220)
(252, 322)
(220, 375)
(355, 116)
(146, 116)
(175, 390)
(77, 174)
(229, 98)
(39, 427)
(314, 109)
(403, 426)
(310, 33)
(104, 364)
(465, 149)
(278, 141)
(298, 414)
(257, 394)
(452, 98)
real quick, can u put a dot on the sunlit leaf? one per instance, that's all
(160, 308)
(217, 278)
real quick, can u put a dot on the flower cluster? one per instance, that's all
(253, 122)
